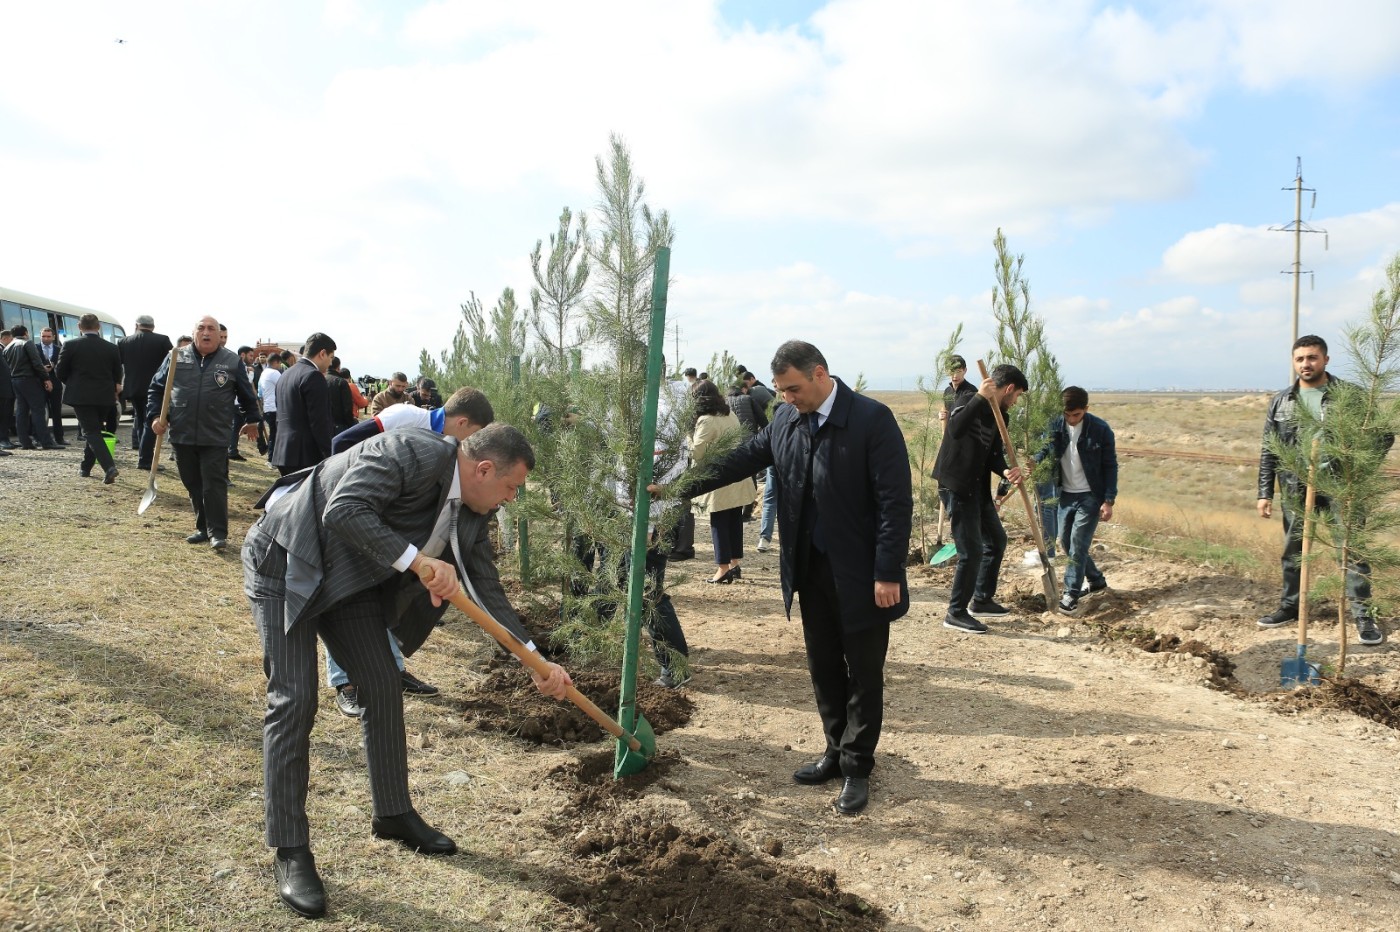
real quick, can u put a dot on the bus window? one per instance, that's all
(108, 333)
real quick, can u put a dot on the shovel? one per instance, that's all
(945, 552)
(635, 749)
(1048, 582)
(150, 495)
(1298, 672)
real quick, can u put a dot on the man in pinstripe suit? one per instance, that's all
(340, 554)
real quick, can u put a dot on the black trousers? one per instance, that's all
(204, 471)
(270, 419)
(847, 669)
(1358, 574)
(55, 405)
(727, 535)
(31, 419)
(981, 544)
(90, 420)
(138, 421)
(7, 417)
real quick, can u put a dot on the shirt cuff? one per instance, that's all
(403, 562)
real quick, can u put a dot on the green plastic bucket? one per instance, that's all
(111, 441)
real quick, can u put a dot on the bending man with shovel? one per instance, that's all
(339, 554)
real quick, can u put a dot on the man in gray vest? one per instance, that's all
(209, 381)
(372, 538)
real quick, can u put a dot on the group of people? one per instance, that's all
(372, 527)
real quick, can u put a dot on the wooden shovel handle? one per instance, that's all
(164, 409)
(1031, 516)
(1309, 502)
(533, 661)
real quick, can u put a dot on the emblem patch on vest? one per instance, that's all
(221, 378)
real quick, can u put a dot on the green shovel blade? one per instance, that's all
(628, 761)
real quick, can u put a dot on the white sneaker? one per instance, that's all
(763, 545)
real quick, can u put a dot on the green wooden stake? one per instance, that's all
(522, 524)
(641, 512)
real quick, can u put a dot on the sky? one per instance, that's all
(836, 172)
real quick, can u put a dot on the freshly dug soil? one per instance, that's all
(1347, 695)
(506, 701)
(634, 875)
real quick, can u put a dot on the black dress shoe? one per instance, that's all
(85, 473)
(237, 456)
(53, 446)
(110, 476)
(218, 543)
(410, 829)
(297, 882)
(198, 537)
(412, 684)
(59, 443)
(855, 793)
(818, 771)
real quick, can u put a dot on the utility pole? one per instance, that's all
(1298, 228)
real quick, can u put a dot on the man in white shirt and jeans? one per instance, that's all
(1086, 472)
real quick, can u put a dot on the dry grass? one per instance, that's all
(131, 757)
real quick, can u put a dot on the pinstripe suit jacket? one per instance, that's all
(338, 533)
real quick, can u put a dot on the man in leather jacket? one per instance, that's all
(1310, 389)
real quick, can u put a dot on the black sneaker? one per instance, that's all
(1094, 587)
(347, 700)
(988, 607)
(412, 684)
(1069, 604)
(960, 620)
(1366, 629)
(1280, 617)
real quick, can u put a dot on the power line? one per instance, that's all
(1298, 228)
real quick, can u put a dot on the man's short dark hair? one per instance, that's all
(287, 357)
(799, 355)
(1311, 339)
(956, 362)
(471, 404)
(398, 377)
(318, 343)
(1074, 398)
(502, 444)
(746, 375)
(20, 332)
(184, 340)
(689, 371)
(89, 322)
(345, 374)
(1007, 374)
(335, 363)
(244, 349)
(223, 328)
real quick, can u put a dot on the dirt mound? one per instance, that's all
(590, 784)
(1346, 695)
(506, 701)
(634, 874)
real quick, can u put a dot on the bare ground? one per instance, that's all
(1048, 774)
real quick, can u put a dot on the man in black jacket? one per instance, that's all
(209, 381)
(304, 427)
(142, 353)
(844, 520)
(1310, 389)
(31, 383)
(50, 348)
(970, 454)
(7, 397)
(91, 369)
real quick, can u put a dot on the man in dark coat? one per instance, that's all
(31, 383)
(209, 383)
(844, 519)
(50, 348)
(371, 539)
(142, 353)
(971, 453)
(91, 371)
(304, 427)
(7, 399)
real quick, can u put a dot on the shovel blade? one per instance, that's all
(628, 761)
(1051, 586)
(944, 554)
(1298, 672)
(148, 498)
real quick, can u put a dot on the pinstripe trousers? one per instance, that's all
(353, 630)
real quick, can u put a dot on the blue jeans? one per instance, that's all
(336, 675)
(1079, 518)
(770, 506)
(981, 542)
(1050, 523)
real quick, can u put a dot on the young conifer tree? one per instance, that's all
(1357, 429)
(561, 283)
(1020, 341)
